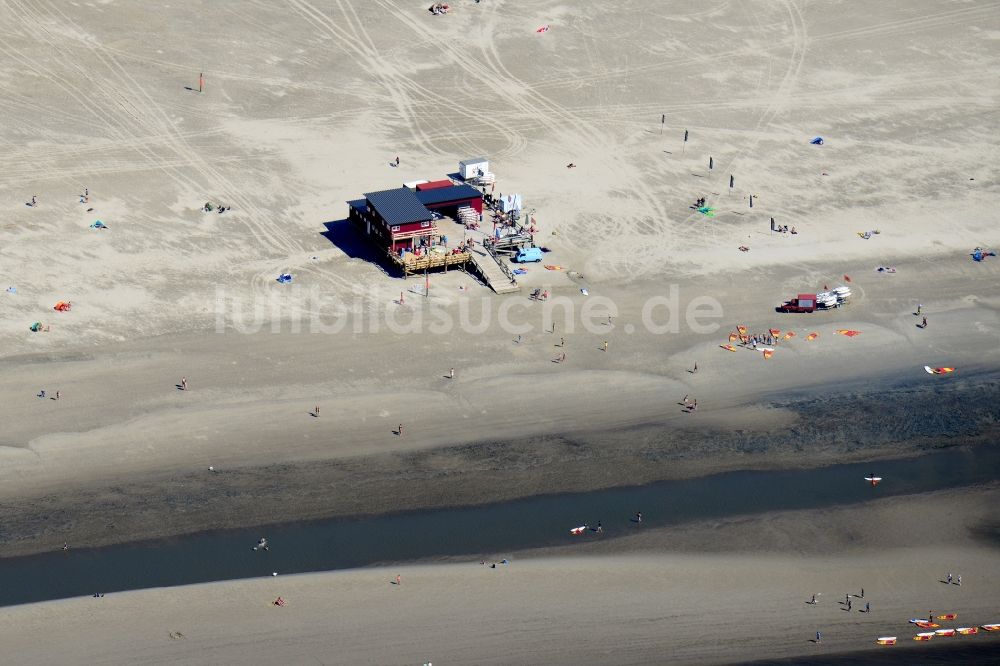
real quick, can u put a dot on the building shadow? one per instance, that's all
(350, 240)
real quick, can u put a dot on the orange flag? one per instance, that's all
(812, 336)
(733, 337)
(728, 347)
(768, 353)
(789, 335)
(742, 330)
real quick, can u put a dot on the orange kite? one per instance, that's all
(848, 332)
(789, 335)
(812, 336)
(728, 347)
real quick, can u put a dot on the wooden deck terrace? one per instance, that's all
(412, 265)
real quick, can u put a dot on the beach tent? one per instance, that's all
(98, 225)
(285, 278)
(37, 326)
(62, 306)
(817, 141)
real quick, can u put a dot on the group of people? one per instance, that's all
(756, 339)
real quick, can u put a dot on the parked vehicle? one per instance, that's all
(802, 303)
(822, 301)
(529, 254)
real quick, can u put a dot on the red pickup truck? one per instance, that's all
(803, 303)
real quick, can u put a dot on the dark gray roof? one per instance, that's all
(399, 206)
(360, 204)
(442, 194)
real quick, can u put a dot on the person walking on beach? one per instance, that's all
(562, 342)
(41, 394)
(562, 357)
(959, 582)
(399, 430)
(847, 598)
(605, 345)
(949, 579)
(813, 600)
(868, 607)
(849, 605)
(863, 589)
(451, 373)
(184, 384)
(694, 405)
(58, 395)
(316, 411)
(399, 579)
(638, 517)
(34, 200)
(920, 307)
(924, 324)
(819, 637)
(694, 371)
(397, 160)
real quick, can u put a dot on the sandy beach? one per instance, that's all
(303, 106)
(702, 595)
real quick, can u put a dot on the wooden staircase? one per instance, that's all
(497, 276)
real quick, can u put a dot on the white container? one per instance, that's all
(474, 167)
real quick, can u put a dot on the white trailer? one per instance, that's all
(473, 168)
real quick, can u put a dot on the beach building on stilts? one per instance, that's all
(435, 225)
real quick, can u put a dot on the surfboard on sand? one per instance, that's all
(924, 624)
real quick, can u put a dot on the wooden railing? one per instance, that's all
(501, 264)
